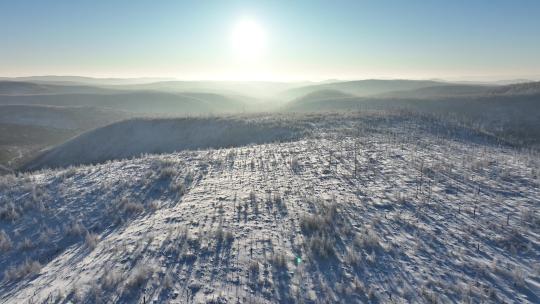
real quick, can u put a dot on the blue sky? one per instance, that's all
(309, 40)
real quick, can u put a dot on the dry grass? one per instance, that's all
(29, 267)
(26, 244)
(518, 276)
(10, 212)
(320, 230)
(295, 164)
(76, 229)
(253, 267)
(368, 239)
(223, 237)
(130, 207)
(279, 261)
(110, 279)
(5, 241)
(140, 274)
(91, 240)
(166, 173)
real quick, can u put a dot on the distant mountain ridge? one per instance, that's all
(363, 87)
(86, 80)
(71, 118)
(14, 88)
(526, 88)
(450, 90)
(146, 102)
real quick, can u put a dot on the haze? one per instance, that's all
(303, 40)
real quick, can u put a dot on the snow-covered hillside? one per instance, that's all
(138, 136)
(27, 129)
(365, 209)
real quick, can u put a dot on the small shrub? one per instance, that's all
(536, 268)
(320, 230)
(518, 276)
(295, 164)
(91, 240)
(279, 261)
(93, 293)
(154, 205)
(7, 181)
(368, 239)
(322, 246)
(372, 294)
(110, 279)
(312, 223)
(133, 207)
(167, 281)
(178, 188)
(372, 257)
(254, 267)
(531, 217)
(219, 234)
(352, 258)
(278, 201)
(140, 274)
(229, 237)
(322, 222)
(5, 241)
(29, 267)
(26, 244)
(224, 237)
(166, 173)
(76, 229)
(45, 234)
(188, 179)
(69, 172)
(9, 212)
(429, 295)
(37, 198)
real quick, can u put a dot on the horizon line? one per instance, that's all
(480, 78)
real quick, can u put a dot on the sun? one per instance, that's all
(248, 39)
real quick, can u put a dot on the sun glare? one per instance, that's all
(248, 39)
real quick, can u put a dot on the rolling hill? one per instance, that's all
(72, 84)
(134, 137)
(142, 102)
(450, 90)
(254, 89)
(510, 112)
(26, 129)
(324, 100)
(14, 88)
(362, 87)
(69, 118)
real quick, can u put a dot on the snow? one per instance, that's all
(428, 217)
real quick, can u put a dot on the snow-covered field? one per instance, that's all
(367, 210)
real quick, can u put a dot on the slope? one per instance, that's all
(26, 129)
(139, 136)
(374, 209)
(509, 112)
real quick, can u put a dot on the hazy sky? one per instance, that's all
(310, 40)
